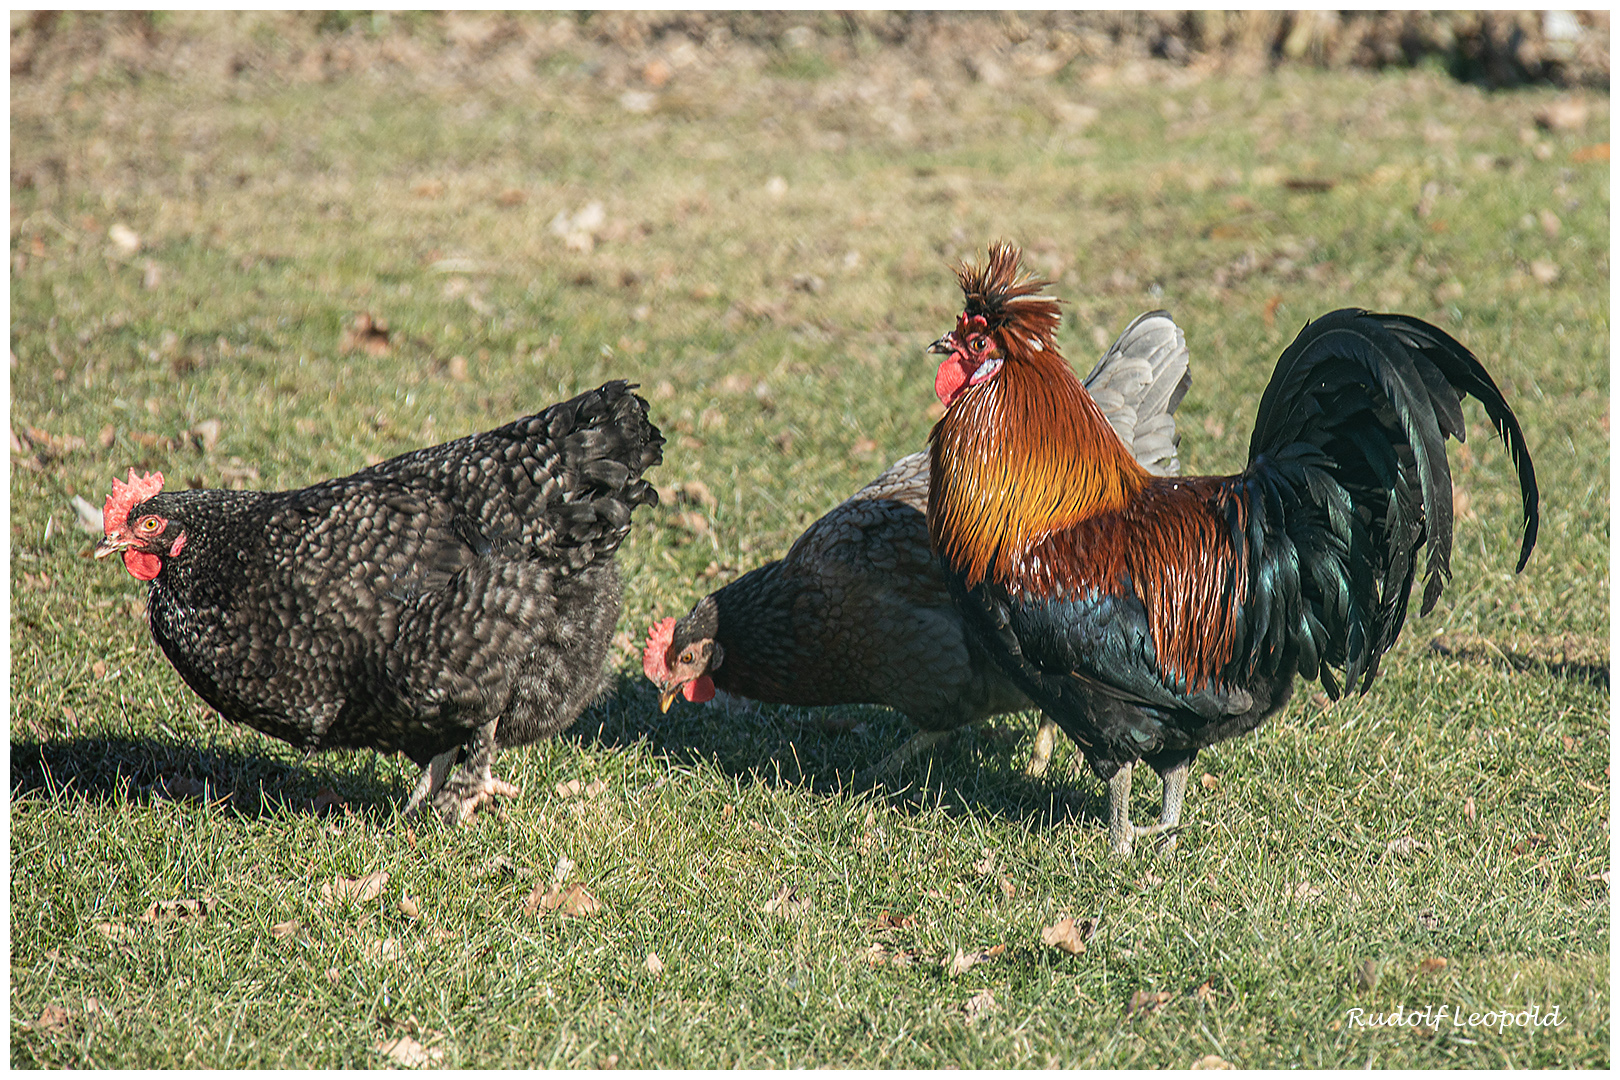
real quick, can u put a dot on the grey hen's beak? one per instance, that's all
(112, 544)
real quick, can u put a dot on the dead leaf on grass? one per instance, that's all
(384, 950)
(1213, 1061)
(281, 931)
(890, 921)
(1204, 992)
(1208, 782)
(356, 890)
(116, 932)
(574, 901)
(52, 1018)
(787, 903)
(368, 334)
(979, 1005)
(408, 906)
(987, 864)
(1069, 935)
(574, 789)
(1432, 965)
(963, 961)
(1146, 1001)
(1304, 891)
(1468, 808)
(408, 1053)
(165, 911)
(653, 964)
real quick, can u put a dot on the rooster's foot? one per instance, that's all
(1122, 835)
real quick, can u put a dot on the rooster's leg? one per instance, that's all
(1045, 742)
(431, 780)
(472, 785)
(891, 765)
(1121, 833)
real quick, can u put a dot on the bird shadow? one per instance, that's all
(139, 770)
(823, 750)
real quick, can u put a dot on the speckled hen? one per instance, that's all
(443, 604)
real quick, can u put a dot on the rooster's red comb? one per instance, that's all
(115, 513)
(655, 657)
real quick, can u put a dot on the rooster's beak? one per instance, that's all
(942, 346)
(667, 698)
(111, 544)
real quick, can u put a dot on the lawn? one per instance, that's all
(259, 280)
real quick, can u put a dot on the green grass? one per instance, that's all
(271, 212)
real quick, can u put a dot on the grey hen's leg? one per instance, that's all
(890, 766)
(1045, 743)
(431, 780)
(472, 785)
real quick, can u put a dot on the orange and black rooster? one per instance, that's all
(1154, 616)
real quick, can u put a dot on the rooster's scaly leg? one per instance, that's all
(1121, 833)
(1045, 742)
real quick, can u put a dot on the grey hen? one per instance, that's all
(445, 603)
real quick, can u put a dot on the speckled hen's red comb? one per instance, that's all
(115, 513)
(655, 657)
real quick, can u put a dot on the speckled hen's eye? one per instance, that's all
(149, 524)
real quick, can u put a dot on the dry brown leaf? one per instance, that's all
(327, 799)
(864, 447)
(281, 931)
(1468, 808)
(963, 961)
(356, 890)
(1603, 877)
(890, 921)
(1069, 935)
(1204, 992)
(787, 903)
(653, 964)
(1208, 782)
(368, 333)
(1008, 889)
(1595, 152)
(408, 1053)
(408, 906)
(1304, 891)
(384, 950)
(981, 1004)
(986, 865)
(1432, 965)
(574, 901)
(163, 911)
(115, 932)
(574, 789)
(1529, 843)
(1213, 1061)
(52, 1018)
(1146, 1001)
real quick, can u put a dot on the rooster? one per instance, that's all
(1151, 616)
(857, 610)
(445, 603)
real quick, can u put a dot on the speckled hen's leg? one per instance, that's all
(890, 766)
(431, 780)
(1045, 743)
(472, 785)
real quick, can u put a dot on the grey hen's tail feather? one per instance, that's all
(1138, 383)
(606, 442)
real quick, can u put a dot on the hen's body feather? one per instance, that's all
(412, 604)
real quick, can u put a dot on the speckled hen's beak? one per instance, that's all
(667, 698)
(111, 544)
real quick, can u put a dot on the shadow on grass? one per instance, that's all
(822, 750)
(141, 770)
